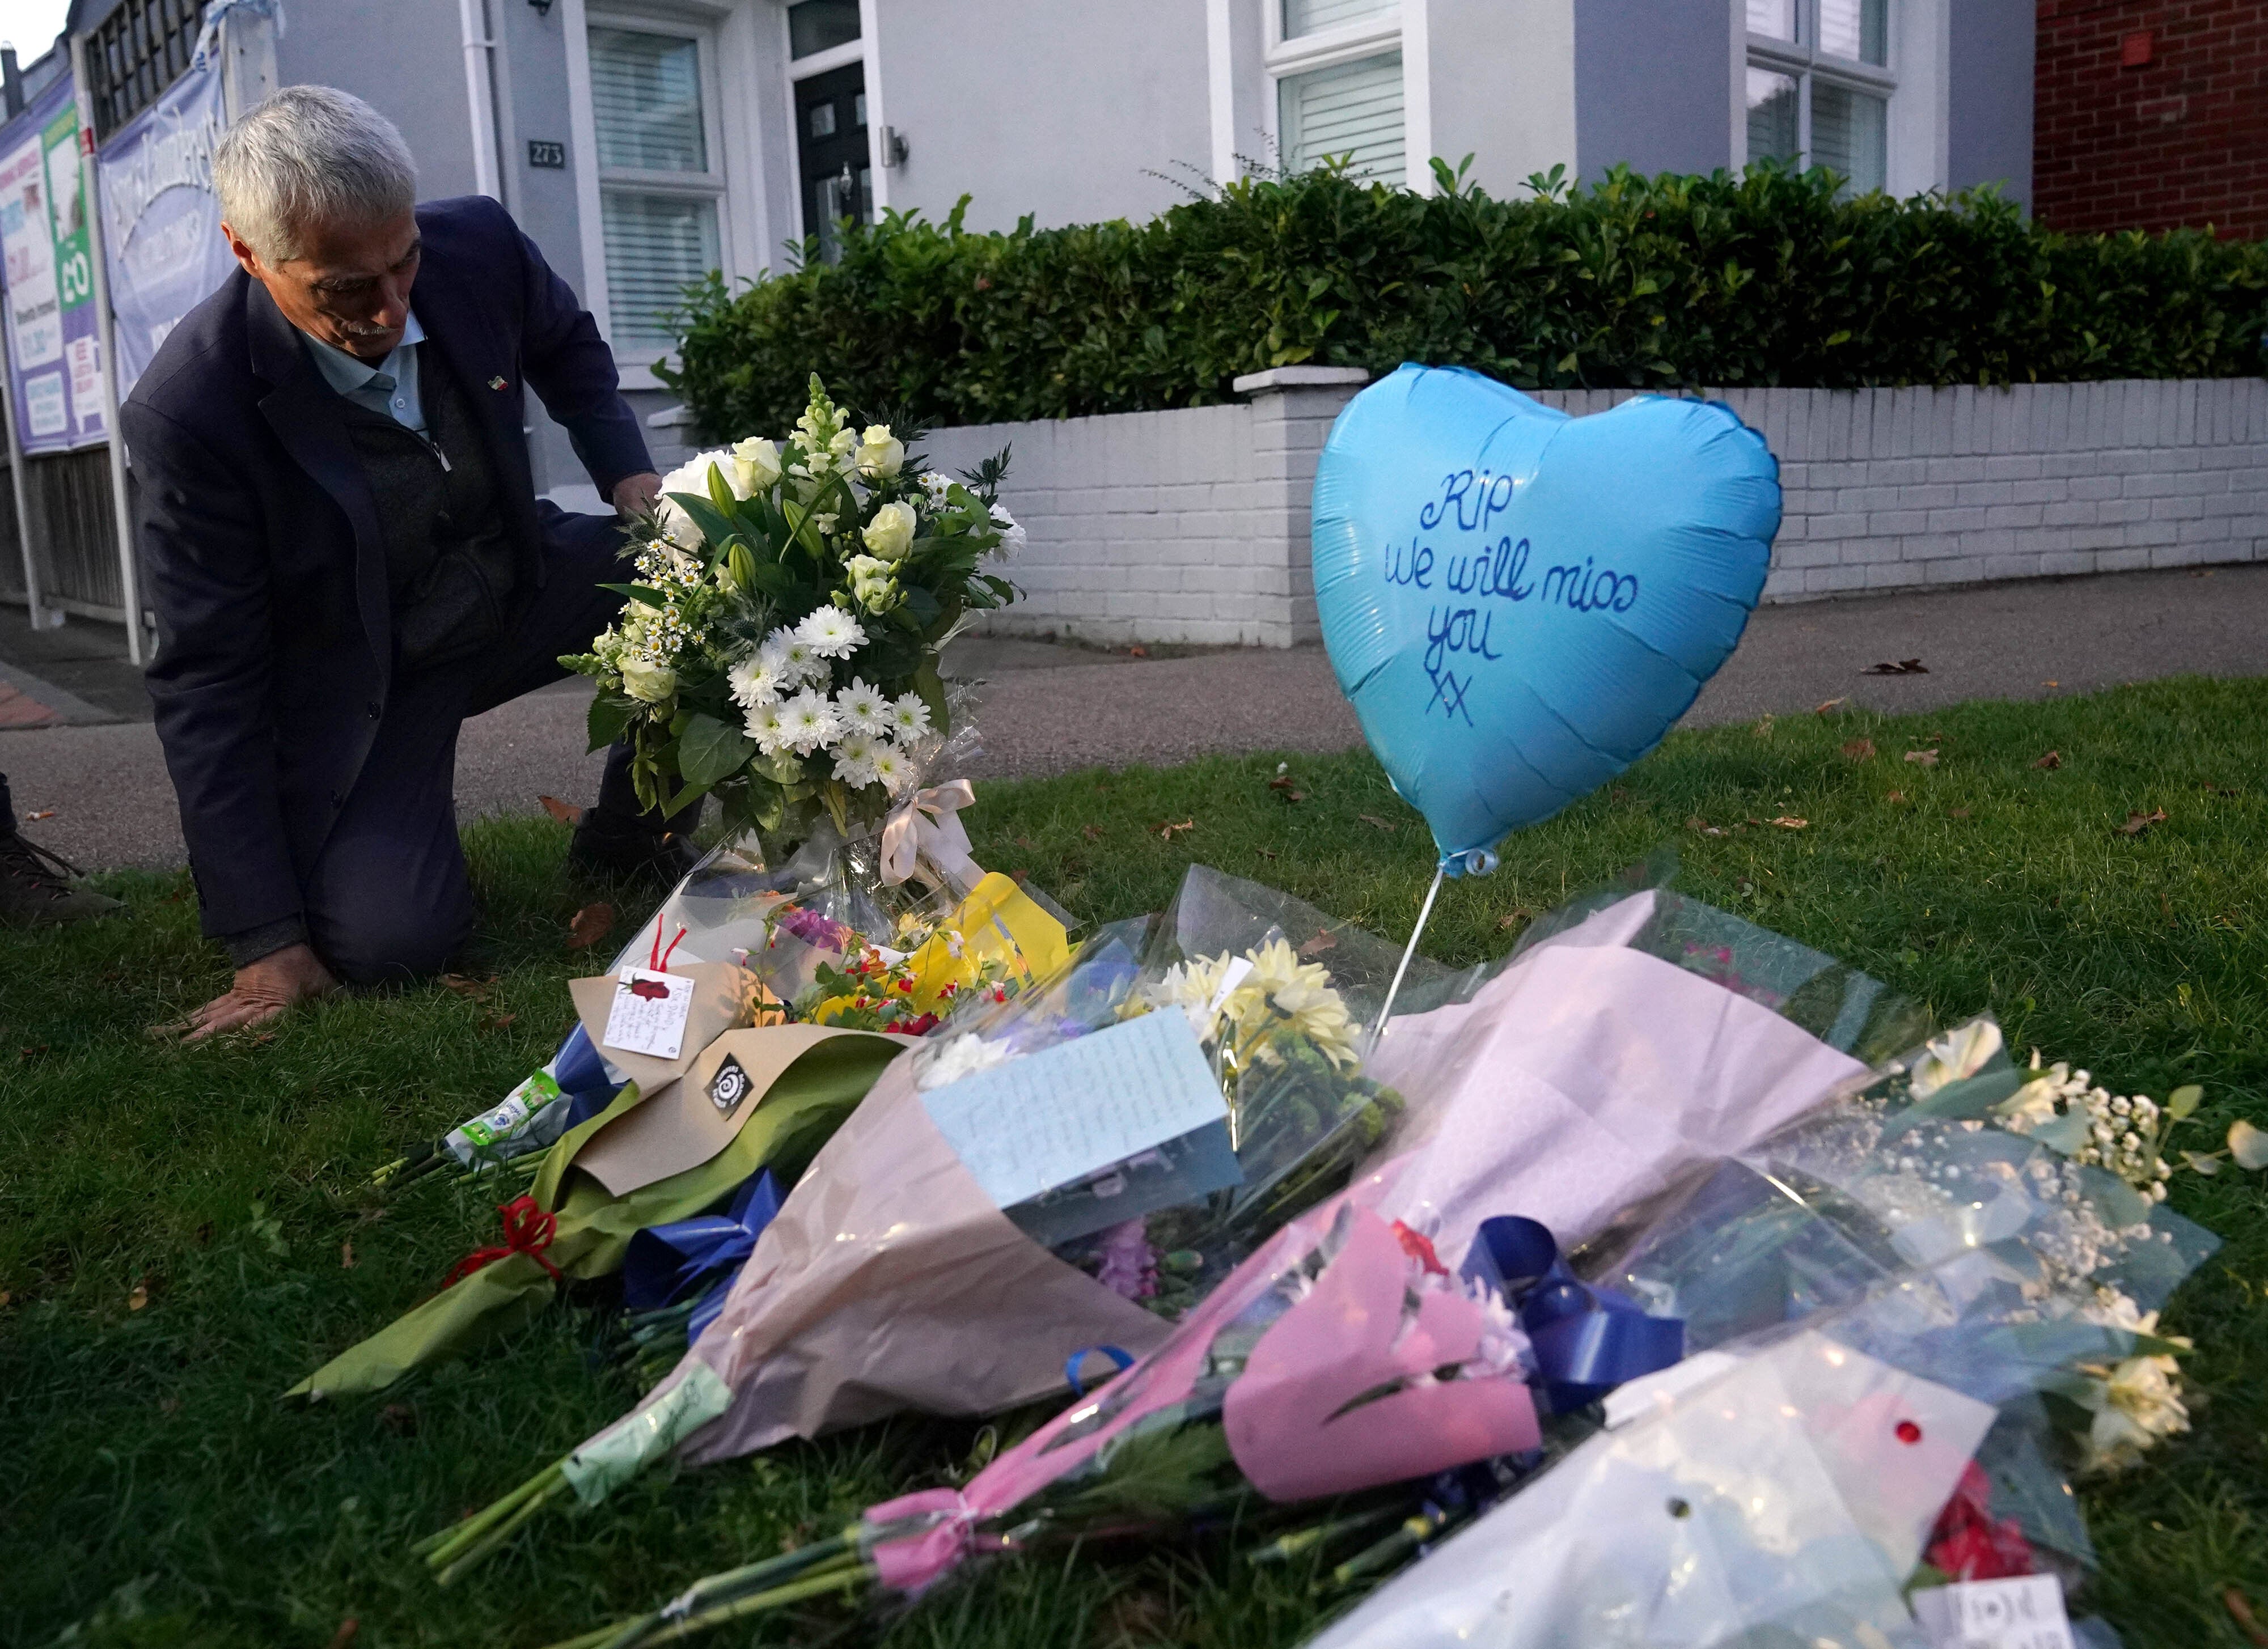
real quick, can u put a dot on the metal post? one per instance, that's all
(129, 564)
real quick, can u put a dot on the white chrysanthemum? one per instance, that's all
(807, 721)
(936, 484)
(754, 680)
(791, 657)
(962, 1057)
(1281, 984)
(892, 771)
(854, 761)
(767, 725)
(1192, 986)
(909, 717)
(830, 633)
(863, 709)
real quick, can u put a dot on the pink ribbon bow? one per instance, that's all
(924, 826)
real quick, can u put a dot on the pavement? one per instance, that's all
(77, 744)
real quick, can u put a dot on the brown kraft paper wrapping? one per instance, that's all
(889, 1282)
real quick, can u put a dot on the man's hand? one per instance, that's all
(262, 990)
(635, 494)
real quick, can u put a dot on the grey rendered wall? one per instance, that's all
(1653, 85)
(411, 70)
(1989, 117)
(1043, 106)
(1503, 87)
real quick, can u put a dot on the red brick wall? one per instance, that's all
(2179, 138)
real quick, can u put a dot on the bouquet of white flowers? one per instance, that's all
(780, 644)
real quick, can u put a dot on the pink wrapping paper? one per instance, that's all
(1583, 1079)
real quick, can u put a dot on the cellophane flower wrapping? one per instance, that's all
(1958, 1281)
(1279, 996)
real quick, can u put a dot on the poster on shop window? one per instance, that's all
(55, 342)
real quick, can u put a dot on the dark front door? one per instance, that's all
(831, 129)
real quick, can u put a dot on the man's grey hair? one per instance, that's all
(309, 156)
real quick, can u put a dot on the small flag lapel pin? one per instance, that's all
(497, 383)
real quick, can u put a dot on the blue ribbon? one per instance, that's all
(1588, 1340)
(1116, 1354)
(665, 1264)
(582, 1077)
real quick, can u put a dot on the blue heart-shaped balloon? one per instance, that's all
(1520, 604)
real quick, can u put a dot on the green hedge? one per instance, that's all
(1766, 278)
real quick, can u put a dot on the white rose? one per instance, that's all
(870, 583)
(881, 454)
(648, 683)
(891, 532)
(691, 477)
(755, 467)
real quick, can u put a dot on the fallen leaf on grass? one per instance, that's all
(1137, 652)
(474, 988)
(1956, 813)
(2241, 1611)
(1284, 787)
(1895, 797)
(1903, 667)
(1832, 703)
(497, 1022)
(2137, 822)
(345, 1635)
(1092, 833)
(1923, 758)
(139, 1298)
(346, 1256)
(1763, 727)
(1023, 841)
(2052, 760)
(1512, 918)
(44, 812)
(1702, 827)
(1166, 832)
(1789, 822)
(590, 924)
(1266, 853)
(1858, 750)
(565, 811)
(1377, 823)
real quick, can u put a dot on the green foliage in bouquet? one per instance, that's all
(779, 647)
(1765, 277)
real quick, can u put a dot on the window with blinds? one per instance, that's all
(1317, 17)
(1350, 110)
(1820, 84)
(661, 185)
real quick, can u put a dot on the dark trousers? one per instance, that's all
(7, 809)
(388, 898)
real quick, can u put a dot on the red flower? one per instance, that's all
(1969, 1543)
(905, 985)
(920, 1025)
(1420, 1249)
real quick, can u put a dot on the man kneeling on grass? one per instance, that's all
(347, 556)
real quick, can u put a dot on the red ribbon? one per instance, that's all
(528, 1229)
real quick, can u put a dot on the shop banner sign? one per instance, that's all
(160, 217)
(54, 346)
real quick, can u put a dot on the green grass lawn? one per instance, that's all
(182, 1235)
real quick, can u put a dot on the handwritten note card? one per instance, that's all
(1056, 1116)
(2026, 1613)
(649, 1011)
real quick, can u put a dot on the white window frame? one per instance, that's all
(1802, 58)
(862, 52)
(1398, 28)
(727, 46)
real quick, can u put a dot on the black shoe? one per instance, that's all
(625, 850)
(39, 888)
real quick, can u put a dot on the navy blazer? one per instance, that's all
(261, 544)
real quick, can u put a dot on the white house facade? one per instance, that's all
(644, 142)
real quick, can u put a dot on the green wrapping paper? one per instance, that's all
(800, 1113)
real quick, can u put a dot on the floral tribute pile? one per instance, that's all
(779, 646)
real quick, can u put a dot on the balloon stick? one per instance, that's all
(1424, 914)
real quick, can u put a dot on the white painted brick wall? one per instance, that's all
(1192, 525)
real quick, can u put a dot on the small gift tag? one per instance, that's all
(649, 1011)
(2025, 1613)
